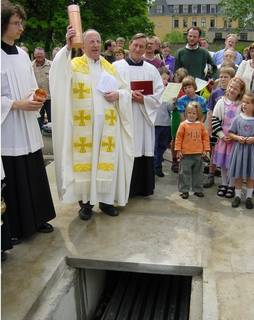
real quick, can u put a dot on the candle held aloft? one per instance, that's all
(75, 22)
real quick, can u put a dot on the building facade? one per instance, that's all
(169, 15)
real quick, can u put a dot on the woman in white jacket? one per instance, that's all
(246, 69)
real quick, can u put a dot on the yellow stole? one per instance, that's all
(82, 110)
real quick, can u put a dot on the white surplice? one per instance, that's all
(20, 130)
(144, 115)
(62, 129)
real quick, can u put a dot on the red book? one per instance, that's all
(145, 85)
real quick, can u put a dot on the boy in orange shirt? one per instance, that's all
(192, 142)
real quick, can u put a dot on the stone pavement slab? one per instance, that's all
(162, 230)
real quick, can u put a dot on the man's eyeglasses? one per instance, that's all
(17, 24)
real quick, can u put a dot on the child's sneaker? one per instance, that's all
(236, 202)
(249, 203)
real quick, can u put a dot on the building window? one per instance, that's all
(212, 23)
(194, 9)
(203, 22)
(176, 9)
(180, 8)
(208, 8)
(227, 23)
(176, 23)
(203, 8)
(171, 8)
(218, 35)
(244, 36)
(189, 8)
(219, 9)
(199, 8)
(185, 22)
(185, 9)
(159, 9)
(194, 23)
(213, 8)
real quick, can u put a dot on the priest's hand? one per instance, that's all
(27, 105)
(111, 96)
(70, 33)
(137, 96)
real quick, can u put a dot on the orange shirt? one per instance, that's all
(192, 138)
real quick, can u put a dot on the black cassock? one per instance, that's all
(27, 193)
(143, 179)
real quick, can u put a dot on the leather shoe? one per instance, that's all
(199, 194)
(160, 174)
(45, 228)
(15, 241)
(85, 213)
(248, 203)
(236, 202)
(109, 209)
(184, 195)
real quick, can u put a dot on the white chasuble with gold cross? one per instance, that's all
(92, 138)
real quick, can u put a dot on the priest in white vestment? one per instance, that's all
(144, 108)
(92, 128)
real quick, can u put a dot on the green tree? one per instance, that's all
(239, 9)
(175, 37)
(117, 17)
(46, 23)
(47, 20)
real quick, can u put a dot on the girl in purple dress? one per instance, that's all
(241, 166)
(224, 112)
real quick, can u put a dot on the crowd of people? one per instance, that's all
(110, 126)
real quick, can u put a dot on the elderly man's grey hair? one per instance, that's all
(89, 31)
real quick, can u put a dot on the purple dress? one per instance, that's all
(222, 150)
(241, 163)
(170, 63)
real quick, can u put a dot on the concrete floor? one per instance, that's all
(162, 229)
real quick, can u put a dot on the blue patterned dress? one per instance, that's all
(242, 155)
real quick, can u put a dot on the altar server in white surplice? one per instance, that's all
(92, 128)
(144, 108)
(27, 193)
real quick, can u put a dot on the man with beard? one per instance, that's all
(194, 58)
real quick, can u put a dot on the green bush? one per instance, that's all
(174, 37)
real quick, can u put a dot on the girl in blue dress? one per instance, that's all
(242, 157)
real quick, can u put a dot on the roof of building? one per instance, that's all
(175, 2)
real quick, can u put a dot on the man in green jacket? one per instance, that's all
(194, 58)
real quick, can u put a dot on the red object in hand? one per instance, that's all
(40, 94)
(146, 86)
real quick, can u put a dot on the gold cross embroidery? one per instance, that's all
(82, 167)
(81, 117)
(80, 91)
(106, 166)
(108, 144)
(83, 144)
(110, 117)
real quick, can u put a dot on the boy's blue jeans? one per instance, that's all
(162, 139)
